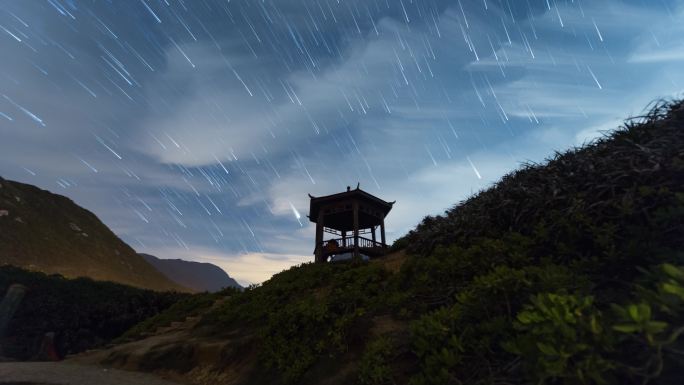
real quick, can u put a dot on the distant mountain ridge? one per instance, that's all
(46, 232)
(197, 276)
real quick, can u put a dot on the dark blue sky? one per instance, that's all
(195, 129)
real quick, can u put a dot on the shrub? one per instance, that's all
(189, 306)
(375, 366)
(562, 336)
(82, 313)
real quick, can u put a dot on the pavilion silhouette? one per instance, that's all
(347, 217)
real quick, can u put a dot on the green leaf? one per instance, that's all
(633, 311)
(524, 317)
(673, 271)
(644, 312)
(595, 326)
(627, 328)
(656, 326)
(547, 349)
(673, 288)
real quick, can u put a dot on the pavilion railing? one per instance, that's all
(365, 242)
(349, 243)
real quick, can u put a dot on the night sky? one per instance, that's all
(195, 128)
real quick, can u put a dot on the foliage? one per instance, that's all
(375, 366)
(81, 312)
(463, 339)
(561, 336)
(650, 328)
(189, 306)
(306, 312)
(563, 273)
(567, 337)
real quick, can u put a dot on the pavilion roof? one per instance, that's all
(355, 194)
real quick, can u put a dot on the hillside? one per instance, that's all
(567, 272)
(194, 275)
(47, 232)
(81, 313)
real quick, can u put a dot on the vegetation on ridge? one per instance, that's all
(569, 272)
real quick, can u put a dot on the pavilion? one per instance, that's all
(351, 219)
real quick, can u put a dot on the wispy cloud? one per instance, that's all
(197, 136)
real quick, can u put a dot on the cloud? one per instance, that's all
(226, 114)
(235, 104)
(271, 111)
(668, 54)
(662, 43)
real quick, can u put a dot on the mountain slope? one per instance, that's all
(194, 275)
(47, 232)
(568, 272)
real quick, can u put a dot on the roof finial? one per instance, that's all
(348, 188)
(358, 185)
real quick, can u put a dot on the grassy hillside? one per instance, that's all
(567, 272)
(81, 312)
(47, 232)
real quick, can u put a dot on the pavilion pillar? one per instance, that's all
(356, 229)
(373, 235)
(382, 232)
(319, 239)
(344, 238)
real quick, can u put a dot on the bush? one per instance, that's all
(566, 337)
(306, 312)
(82, 313)
(375, 366)
(189, 306)
(562, 336)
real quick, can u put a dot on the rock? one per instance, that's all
(4, 213)
(74, 226)
(18, 219)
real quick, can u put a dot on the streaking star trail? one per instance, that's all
(195, 129)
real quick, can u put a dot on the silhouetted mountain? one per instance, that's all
(197, 276)
(47, 232)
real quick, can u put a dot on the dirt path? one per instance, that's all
(62, 373)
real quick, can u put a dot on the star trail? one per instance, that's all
(195, 129)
